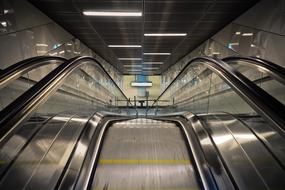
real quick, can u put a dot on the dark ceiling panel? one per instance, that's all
(200, 19)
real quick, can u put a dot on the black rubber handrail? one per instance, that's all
(16, 70)
(12, 115)
(262, 102)
(275, 71)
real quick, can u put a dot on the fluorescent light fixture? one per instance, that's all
(69, 44)
(150, 68)
(234, 44)
(111, 13)
(76, 52)
(130, 59)
(61, 52)
(6, 11)
(42, 45)
(141, 84)
(132, 65)
(216, 53)
(152, 63)
(124, 46)
(156, 53)
(247, 34)
(165, 34)
(238, 33)
(252, 45)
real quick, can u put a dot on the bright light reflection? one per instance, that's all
(247, 34)
(222, 139)
(234, 44)
(4, 24)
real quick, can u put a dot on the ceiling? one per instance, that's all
(200, 19)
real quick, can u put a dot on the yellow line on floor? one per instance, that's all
(127, 161)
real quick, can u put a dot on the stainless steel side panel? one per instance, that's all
(40, 164)
(249, 162)
(271, 138)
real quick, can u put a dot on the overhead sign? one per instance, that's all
(141, 84)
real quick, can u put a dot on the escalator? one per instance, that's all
(66, 132)
(144, 154)
(19, 77)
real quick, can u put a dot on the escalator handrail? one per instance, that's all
(16, 70)
(12, 115)
(275, 71)
(262, 102)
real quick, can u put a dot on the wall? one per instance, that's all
(139, 92)
(265, 21)
(26, 32)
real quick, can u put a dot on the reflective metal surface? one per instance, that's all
(214, 161)
(144, 154)
(251, 165)
(274, 142)
(40, 163)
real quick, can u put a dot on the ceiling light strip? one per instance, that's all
(124, 46)
(132, 65)
(152, 63)
(111, 13)
(150, 68)
(165, 34)
(130, 59)
(156, 53)
(134, 70)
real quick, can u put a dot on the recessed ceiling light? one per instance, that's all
(156, 53)
(165, 34)
(247, 34)
(111, 13)
(125, 46)
(129, 59)
(238, 33)
(152, 63)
